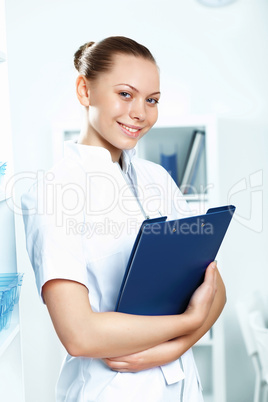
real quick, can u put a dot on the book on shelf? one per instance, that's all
(169, 162)
(192, 165)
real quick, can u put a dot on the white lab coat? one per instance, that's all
(81, 220)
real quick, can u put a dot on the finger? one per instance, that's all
(211, 276)
(210, 273)
(213, 265)
(119, 359)
(116, 365)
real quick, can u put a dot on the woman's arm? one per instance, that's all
(171, 350)
(100, 335)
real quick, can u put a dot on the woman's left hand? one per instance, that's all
(171, 350)
(137, 361)
(153, 357)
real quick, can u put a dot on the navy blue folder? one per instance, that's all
(168, 262)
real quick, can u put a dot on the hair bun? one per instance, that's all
(79, 54)
(92, 59)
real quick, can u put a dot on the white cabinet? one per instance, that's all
(209, 351)
(11, 377)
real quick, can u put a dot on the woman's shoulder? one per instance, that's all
(66, 172)
(65, 169)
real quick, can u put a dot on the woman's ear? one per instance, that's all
(82, 90)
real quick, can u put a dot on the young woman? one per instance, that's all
(81, 221)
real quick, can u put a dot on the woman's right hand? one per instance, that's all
(202, 299)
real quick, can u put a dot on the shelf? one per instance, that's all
(170, 146)
(7, 336)
(195, 197)
(2, 57)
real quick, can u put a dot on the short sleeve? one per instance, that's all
(53, 239)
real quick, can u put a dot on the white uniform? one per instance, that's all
(81, 219)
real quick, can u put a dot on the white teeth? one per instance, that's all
(132, 130)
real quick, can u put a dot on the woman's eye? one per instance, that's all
(152, 101)
(125, 95)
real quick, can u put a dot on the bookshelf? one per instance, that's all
(169, 142)
(177, 137)
(11, 374)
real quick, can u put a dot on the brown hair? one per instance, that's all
(94, 58)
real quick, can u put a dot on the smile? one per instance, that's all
(132, 131)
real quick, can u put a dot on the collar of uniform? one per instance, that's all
(127, 156)
(80, 151)
(83, 152)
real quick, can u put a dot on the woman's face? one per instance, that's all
(123, 104)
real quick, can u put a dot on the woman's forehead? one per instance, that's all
(134, 71)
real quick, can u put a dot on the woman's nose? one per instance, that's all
(137, 110)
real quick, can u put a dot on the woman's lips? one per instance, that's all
(131, 131)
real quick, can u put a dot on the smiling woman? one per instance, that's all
(79, 275)
(121, 104)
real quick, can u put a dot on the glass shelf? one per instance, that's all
(7, 336)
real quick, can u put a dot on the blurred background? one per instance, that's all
(213, 64)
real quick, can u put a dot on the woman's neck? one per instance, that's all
(86, 138)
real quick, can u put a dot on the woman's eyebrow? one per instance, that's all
(135, 89)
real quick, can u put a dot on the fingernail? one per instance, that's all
(214, 265)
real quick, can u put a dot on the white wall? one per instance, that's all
(211, 61)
